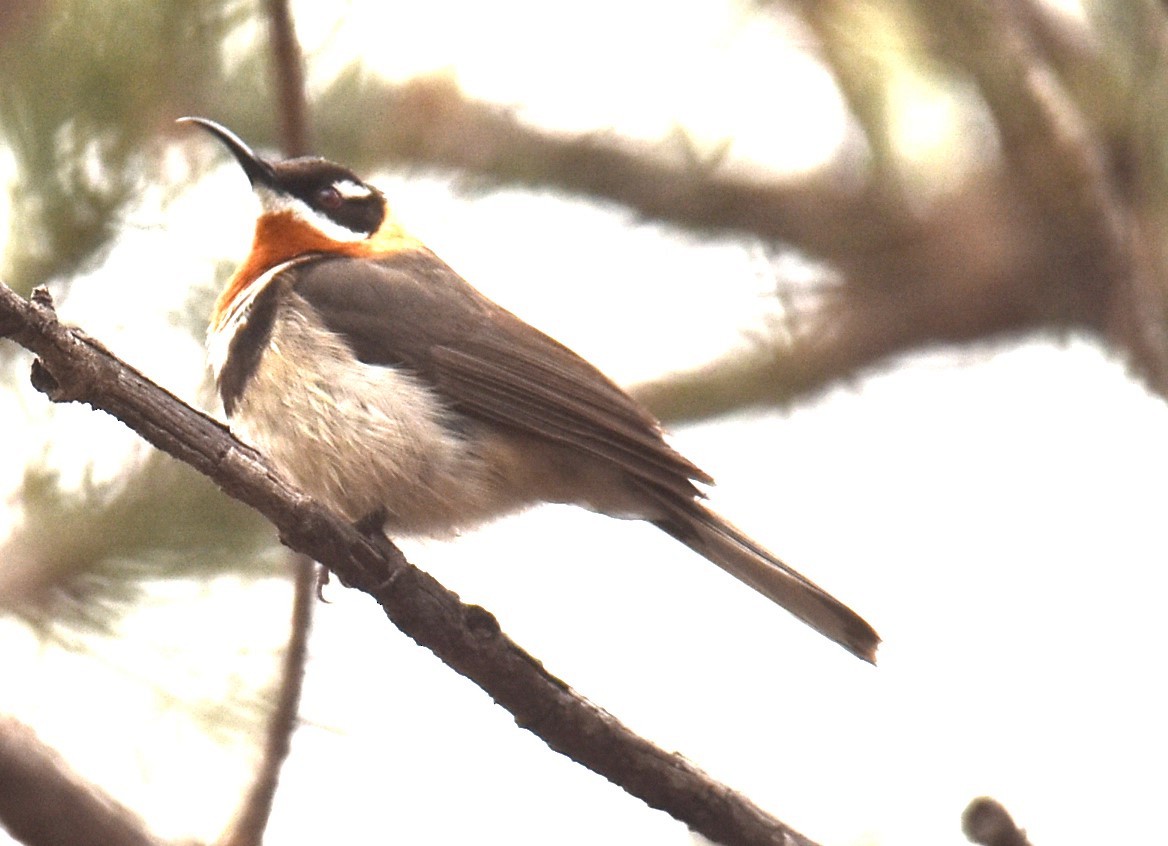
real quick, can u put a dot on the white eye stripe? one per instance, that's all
(273, 203)
(352, 190)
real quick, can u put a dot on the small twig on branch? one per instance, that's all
(987, 823)
(44, 803)
(73, 367)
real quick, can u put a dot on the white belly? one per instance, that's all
(361, 437)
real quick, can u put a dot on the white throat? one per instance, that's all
(221, 333)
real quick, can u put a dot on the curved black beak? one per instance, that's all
(258, 171)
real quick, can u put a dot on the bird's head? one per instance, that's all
(325, 196)
(308, 206)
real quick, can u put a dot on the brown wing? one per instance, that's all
(412, 310)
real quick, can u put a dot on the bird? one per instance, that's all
(385, 386)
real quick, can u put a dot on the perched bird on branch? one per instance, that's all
(388, 388)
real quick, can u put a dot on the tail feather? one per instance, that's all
(728, 547)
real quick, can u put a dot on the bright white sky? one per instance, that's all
(996, 513)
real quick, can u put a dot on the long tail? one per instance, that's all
(712, 537)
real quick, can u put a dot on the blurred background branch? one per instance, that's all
(43, 803)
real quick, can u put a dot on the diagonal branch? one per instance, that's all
(74, 367)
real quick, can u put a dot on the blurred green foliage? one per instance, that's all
(82, 84)
(82, 558)
(88, 88)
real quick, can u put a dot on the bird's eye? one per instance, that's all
(329, 197)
